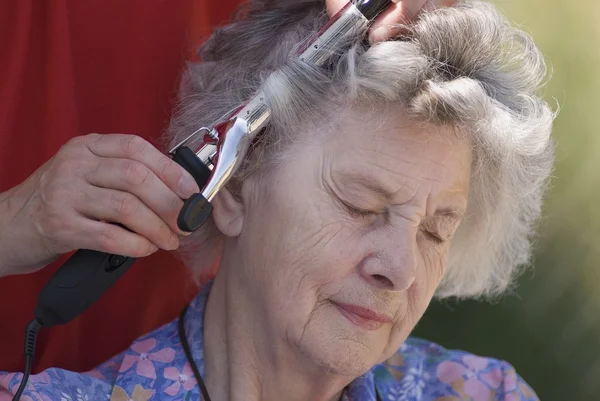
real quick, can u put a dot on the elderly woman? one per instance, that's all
(413, 169)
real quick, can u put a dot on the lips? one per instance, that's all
(362, 317)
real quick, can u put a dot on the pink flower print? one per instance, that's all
(185, 378)
(5, 379)
(478, 383)
(106, 369)
(510, 380)
(145, 359)
(40, 378)
(510, 386)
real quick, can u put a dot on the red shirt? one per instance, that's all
(68, 68)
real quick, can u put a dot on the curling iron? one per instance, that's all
(211, 155)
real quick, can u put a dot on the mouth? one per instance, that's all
(362, 317)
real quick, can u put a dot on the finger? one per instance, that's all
(433, 4)
(137, 179)
(429, 5)
(333, 6)
(386, 25)
(109, 238)
(136, 148)
(125, 208)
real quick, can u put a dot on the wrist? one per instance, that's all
(11, 202)
(6, 216)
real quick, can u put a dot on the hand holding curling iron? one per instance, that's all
(385, 25)
(64, 205)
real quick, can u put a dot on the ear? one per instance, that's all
(228, 213)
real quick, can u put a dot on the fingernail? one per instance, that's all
(153, 248)
(187, 186)
(173, 243)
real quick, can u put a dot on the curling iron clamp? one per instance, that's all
(211, 155)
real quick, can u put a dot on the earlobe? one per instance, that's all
(228, 213)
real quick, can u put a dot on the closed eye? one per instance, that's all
(357, 213)
(431, 235)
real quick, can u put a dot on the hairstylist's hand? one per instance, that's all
(93, 179)
(400, 12)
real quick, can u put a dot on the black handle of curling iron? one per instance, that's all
(88, 274)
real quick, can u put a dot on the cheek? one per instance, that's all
(300, 248)
(431, 268)
(309, 232)
(434, 260)
(320, 247)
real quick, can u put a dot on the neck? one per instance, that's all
(245, 360)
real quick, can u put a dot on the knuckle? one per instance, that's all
(107, 238)
(88, 139)
(163, 167)
(67, 166)
(80, 142)
(77, 141)
(136, 173)
(135, 145)
(70, 162)
(127, 205)
(93, 136)
(110, 239)
(175, 205)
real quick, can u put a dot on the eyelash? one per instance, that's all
(364, 214)
(433, 237)
(358, 213)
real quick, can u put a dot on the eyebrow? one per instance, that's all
(369, 183)
(378, 188)
(452, 212)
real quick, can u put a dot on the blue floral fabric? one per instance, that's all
(155, 368)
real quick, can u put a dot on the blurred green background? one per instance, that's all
(550, 328)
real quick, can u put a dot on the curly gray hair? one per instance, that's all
(464, 66)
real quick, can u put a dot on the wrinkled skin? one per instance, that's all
(297, 249)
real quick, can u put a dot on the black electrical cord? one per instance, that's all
(188, 354)
(31, 333)
(34, 326)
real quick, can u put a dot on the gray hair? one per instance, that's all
(463, 66)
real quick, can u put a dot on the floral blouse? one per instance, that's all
(155, 367)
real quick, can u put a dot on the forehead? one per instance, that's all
(398, 153)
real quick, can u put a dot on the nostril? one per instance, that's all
(383, 281)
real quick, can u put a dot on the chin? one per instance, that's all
(341, 349)
(343, 358)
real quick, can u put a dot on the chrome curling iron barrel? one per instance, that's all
(219, 150)
(211, 155)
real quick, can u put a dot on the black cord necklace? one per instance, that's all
(188, 354)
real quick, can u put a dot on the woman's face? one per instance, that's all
(343, 246)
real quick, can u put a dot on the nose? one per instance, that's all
(391, 263)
